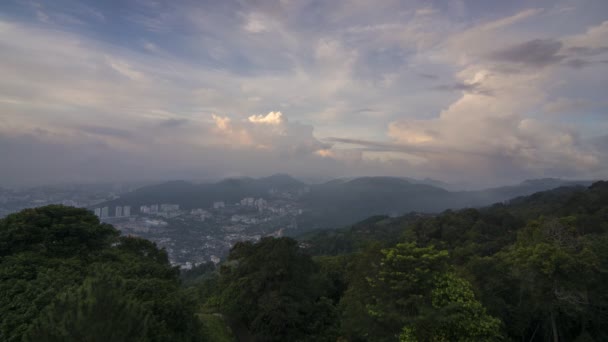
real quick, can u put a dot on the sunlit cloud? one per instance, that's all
(272, 118)
(461, 92)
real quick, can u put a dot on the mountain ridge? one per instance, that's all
(336, 202)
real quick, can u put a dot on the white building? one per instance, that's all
(104, 212)
(118, 211)
(126, 210)
(248, 201)
(261, 204)
(98, 212)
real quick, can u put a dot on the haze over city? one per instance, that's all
(473, 92)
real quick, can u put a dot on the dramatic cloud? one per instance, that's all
(162, 89)
(272, 118)
(591, 42)
(271, 132)
(533, 53)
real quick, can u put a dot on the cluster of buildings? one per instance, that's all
(148, 209)
(204, 234)
(119, 211)
(241, 210)
(260, 203)
(201, 213)
(165, 210)
(85, 196)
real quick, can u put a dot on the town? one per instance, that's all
(76, 195)
(201, 235)
(190, 236)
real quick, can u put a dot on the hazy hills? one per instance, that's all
(343, 203)
(337, 202)
(190, 195)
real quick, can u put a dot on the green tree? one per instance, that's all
(555, 269)
(355, 322)
(268, 287)
(99, 310)
(417, 297)
(65, 275)
(54, 231)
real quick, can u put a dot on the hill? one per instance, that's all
(340, 203)
(190, 195)
(565, 200)
(64, 276)
(451, 276)
(335, 203)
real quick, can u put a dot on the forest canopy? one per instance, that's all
(64, 276)
(533, 269)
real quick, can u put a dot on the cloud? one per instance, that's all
(475, 87)
(533, 53)
(593, 41)
(477, 131)
(270, 132)
(601, 143)
(565, 105)
(510, 20)
(428, 76)
(125, 69)
(426, 11)
(369, 145)
(477, 41)
(173, 122)
(411, 90)
(578, 63)
(588, 51)
(255, 23)
(106, 131)
(272, 118)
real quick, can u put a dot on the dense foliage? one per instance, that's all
(66, 277)
(533, 269)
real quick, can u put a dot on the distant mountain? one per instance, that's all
(527, 187)
(367, 196)
(430, 181)
(280, 181)
(189, 195)
(340, 201)
(566, 199)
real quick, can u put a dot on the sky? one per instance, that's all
(464, 91)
